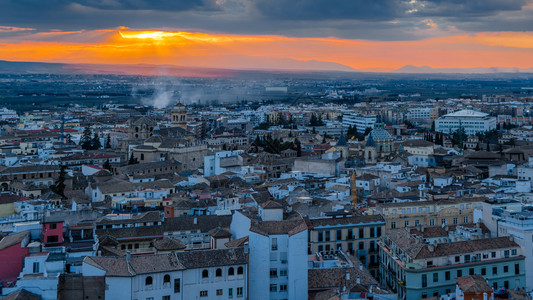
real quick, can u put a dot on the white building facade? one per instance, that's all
(211, 274)
(361, 122)
(278, 260)
(472, 121)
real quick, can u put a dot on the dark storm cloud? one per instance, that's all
(367, 19)
(462, 8)
(163, 5)
(332, 9)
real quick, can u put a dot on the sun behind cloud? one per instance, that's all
(197, 49)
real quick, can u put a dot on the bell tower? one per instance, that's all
(178, 116)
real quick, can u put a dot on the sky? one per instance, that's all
(376, 35)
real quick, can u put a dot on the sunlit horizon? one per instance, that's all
(126, 46)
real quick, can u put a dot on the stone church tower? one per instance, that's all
(178, 116)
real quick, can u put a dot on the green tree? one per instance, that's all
(298, 147)
(313, 121)
(108, 142)
(107, 165)
(133, 160)
(95, 142)
(85, 141)
(59, 185)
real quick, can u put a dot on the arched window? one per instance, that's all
(166, 278)
(240, 270)
(231, 272)
(205, 274)
(149, 280)
(218, 273)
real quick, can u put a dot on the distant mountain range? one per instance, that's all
(429, 70)
(265, 66)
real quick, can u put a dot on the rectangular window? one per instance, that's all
(177, 285)
(516, 269)
(435, 277)
(494, 270)
(459, 273)
(53, 226)
(513, 252)
(361, 233)
(483, 271)
(165, 298)
(361, 245)
(320, 236)
(273, 272)
(35, 267)
(493, 254)
(432, 222)
(273, 288)
(466, 219)
(240, 292)
(203, 293)
(457, 259)
(230, 293)
(282, 287)
(372, 246)
(506, 253)
(471, 271)
(393, 225)
(274, 244)
(219, 292)
(328, 238)
(467, 258)
(455, 221)
(283, 273)
(350, 234)
(447, 275)
(505, 269)
(417, 222)
(424, 280)
(372, 231)
(378, 233)
(406, 223)
(339, 235)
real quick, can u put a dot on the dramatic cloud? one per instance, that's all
(362, 19)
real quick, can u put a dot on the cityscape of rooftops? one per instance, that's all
(266, 150)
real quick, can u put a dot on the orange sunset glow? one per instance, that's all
(196, 49)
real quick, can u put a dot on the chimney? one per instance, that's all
(128, 256)
(195, 221)
(361, 266)
(431, 247)
(246, 248)
(511, 238)
(99, 253)
(358, 280)
(485, 296)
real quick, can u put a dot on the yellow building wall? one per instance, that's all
(7, 209)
